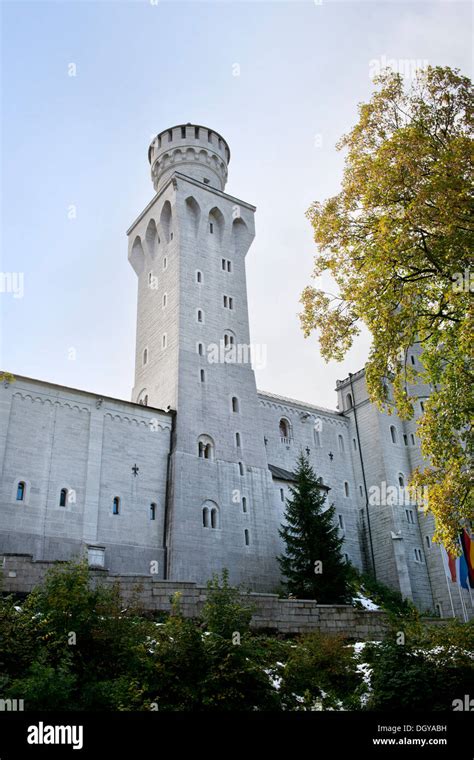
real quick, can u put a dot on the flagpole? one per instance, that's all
(447, 580)
(463, 607)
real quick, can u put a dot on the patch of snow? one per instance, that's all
(366, 603)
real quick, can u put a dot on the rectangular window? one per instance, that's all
(183, 132)
(229, 266)
(405, 439)
(95, 556)
(231, 303)
(223, 263)
(282, 494)
(211, 228)
(225, 302)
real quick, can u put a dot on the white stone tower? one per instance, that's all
(188, 250)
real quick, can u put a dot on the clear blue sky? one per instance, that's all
(142, 67)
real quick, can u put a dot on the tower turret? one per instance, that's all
(191, 149)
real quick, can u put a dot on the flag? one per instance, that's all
(467, 543)
(463, 572)
(450, 565)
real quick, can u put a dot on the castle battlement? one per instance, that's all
(192, 149)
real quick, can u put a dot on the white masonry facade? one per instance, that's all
(191, 476)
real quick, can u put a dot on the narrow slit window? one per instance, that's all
(116, 506)
(20, 491)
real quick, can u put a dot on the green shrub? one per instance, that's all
(320, 668)
(224, 613)
(432, 667)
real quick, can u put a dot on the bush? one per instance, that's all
(428, 671)
(44, 687)
(321, 669)
(224, 613)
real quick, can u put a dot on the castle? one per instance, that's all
(191, 476)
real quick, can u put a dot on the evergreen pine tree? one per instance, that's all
(311, 535)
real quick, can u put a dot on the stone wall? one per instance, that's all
(20, 575)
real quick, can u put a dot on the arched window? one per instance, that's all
(401, 480)
(393, 434)
(244, 504)
(205, 447)
(198, 276)
(285, 430)
(237, 440)
(200, 348)
(210, 515)
(241, 468)
(145, 356)
(202, 376)
(153, 511)
(143, 397)
(346, 488)
(228, 339)
(235, 404)
(21, 491)
(246, 537)
(63, 497)
(116, 506)
(216, 223)
(214, 517)
(349, 402)
(340, 443)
